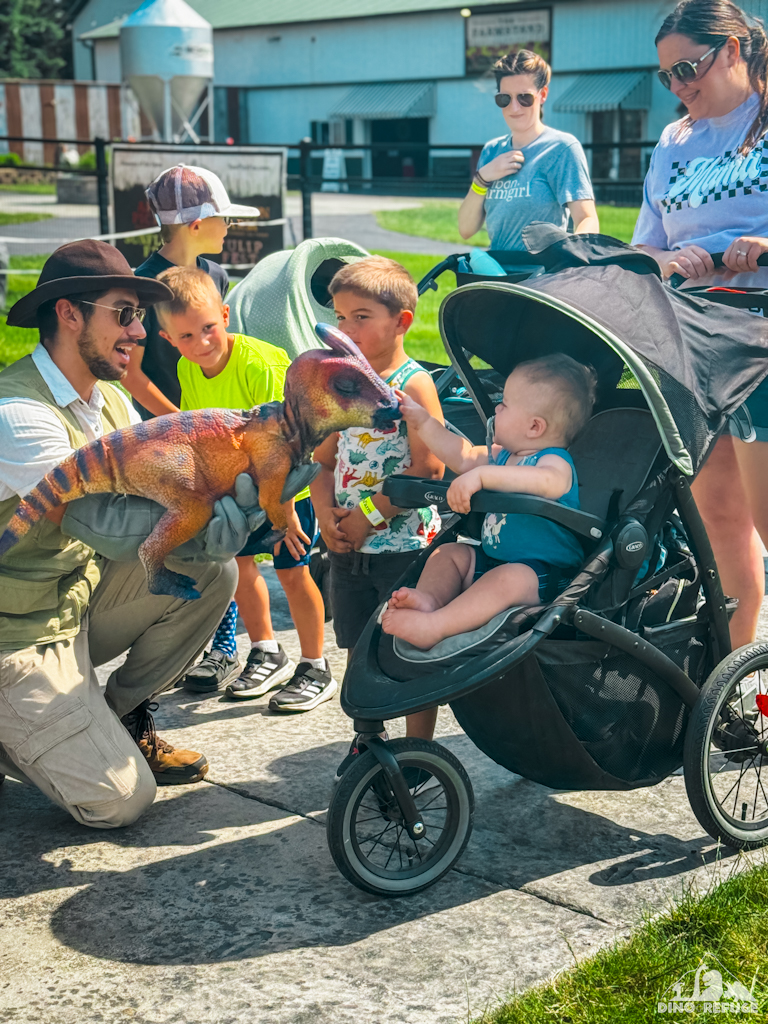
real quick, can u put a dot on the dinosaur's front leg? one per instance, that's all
(174, 528)
(270, 490)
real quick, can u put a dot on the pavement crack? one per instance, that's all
(262, 800)
(574, 907)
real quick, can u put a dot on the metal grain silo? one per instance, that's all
(166, 53)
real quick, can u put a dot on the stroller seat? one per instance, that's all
(613, 456)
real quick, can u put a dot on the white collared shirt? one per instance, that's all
(33, 440)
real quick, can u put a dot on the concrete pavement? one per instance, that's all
(223, 906)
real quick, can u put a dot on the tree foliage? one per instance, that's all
(34, 39)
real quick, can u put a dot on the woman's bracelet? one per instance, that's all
(478, 190)
(481, 180)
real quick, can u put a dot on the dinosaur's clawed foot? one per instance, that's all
(172, 584)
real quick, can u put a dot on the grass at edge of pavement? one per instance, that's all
(438, 220)
(625, 981)
(35, 188)
(16, 342)
(22, 218)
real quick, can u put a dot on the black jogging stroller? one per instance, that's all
(628, 673)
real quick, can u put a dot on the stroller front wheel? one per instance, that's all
(726, 750)
(367, 836)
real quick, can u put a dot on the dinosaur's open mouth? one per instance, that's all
(385, 415)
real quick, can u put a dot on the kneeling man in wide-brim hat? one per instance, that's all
(73, 594)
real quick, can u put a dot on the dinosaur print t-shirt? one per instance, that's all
(700, 190)
(365, 458)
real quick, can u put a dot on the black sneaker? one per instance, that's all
(212, 673)
(308, 688)
(357, 747)
(263, 672)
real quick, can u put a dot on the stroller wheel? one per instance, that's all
(726, 750)
(366, 832)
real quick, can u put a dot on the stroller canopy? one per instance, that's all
(695, 361)
(286, 293)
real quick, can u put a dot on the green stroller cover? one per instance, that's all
(286, 293)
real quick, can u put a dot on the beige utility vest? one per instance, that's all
(46, 580)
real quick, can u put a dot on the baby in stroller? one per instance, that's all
(523, 560)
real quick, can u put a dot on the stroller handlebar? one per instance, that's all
(717, 258)
(416, 492)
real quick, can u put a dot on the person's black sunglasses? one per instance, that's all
(688, 70)
(125, 314)
(525, 99)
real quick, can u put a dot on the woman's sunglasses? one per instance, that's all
(687, 70)
(125, 314)
(525, 99)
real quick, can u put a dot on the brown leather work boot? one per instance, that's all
(170, 767)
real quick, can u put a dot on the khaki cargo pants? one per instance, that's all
(57, 730)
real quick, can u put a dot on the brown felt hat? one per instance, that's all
(86, 266)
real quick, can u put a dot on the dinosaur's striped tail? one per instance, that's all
(64, 483)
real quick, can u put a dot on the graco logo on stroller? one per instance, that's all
(714, 991)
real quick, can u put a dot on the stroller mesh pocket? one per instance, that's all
(630, 722)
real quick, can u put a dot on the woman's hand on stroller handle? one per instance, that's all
(743, 254)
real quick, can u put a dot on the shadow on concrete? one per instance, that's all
(246, 898)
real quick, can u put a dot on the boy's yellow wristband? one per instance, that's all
(479, 189)
(372, 514)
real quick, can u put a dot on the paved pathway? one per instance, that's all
(334, 215)
(222, 906)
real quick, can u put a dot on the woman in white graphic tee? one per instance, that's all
(707, 191)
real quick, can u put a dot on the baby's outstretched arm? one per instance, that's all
(454, 451)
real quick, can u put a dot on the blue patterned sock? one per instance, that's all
(224, 637)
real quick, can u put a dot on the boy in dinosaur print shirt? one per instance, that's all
(374, 299)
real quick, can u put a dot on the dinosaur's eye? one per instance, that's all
(345, 386)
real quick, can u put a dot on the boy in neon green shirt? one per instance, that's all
(232, 371)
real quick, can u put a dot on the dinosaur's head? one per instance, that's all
(328, 391)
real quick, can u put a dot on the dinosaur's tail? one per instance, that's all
(64, 483)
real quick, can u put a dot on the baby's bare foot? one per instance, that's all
(418, 628)
(408, 597)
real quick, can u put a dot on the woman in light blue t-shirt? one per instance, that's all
(707, 191)
(533, 172)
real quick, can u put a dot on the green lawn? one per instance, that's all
(22, 218)
(625, 982)
(438, 220)
(16, 342)
(36, 188)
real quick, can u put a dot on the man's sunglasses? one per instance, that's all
(525, 99)
(125, 314)
(687, 70)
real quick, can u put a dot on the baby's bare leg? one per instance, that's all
(448, 571)
(496, 590)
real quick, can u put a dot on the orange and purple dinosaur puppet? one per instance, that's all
(186, 461)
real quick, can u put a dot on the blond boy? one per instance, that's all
(231, 371)
(193, 210)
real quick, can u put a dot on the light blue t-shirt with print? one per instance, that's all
(700, 190)
(555, 172)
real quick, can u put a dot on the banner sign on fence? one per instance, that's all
(253, 177)
(490, 36)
